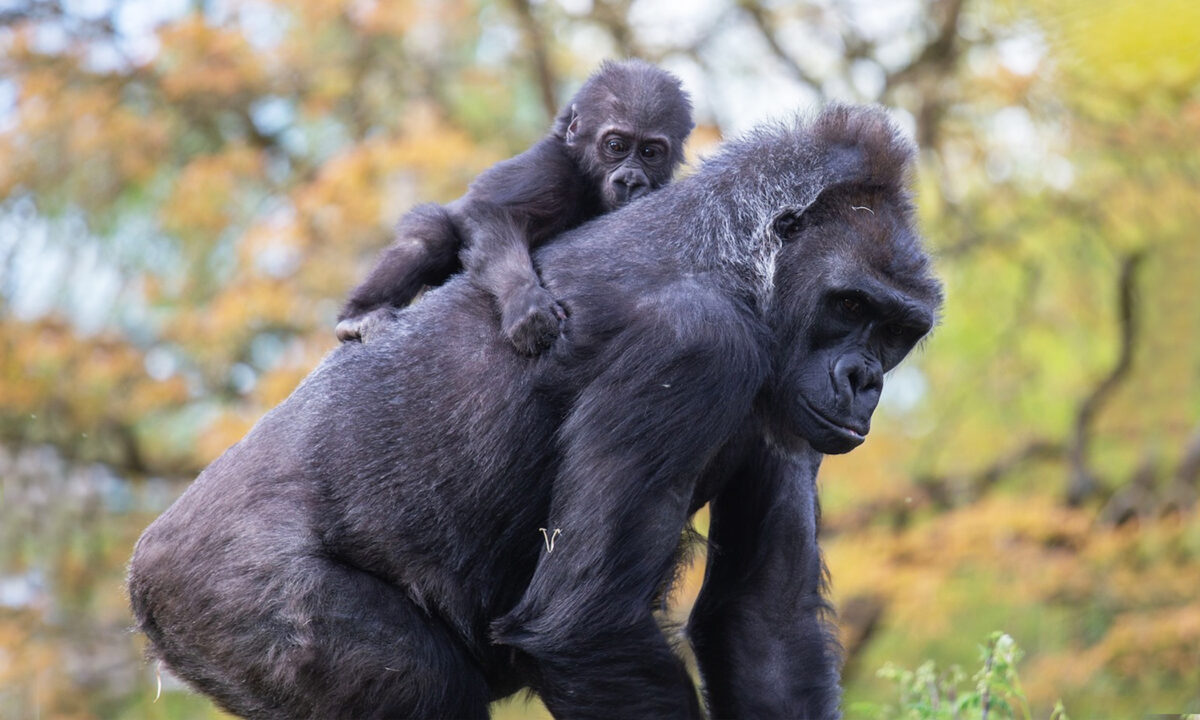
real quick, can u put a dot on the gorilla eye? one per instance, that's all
(649, 152)
(616, 145)
(852, 307)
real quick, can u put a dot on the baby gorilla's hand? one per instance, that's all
(531, 319)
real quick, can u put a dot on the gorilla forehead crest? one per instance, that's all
(791, 163)
(762, 190)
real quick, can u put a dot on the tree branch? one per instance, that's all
(1082, 484)
(1184, 487)
(612, 15)
(766, 29)
(942, 52)
(937, 59)
(541, 60)
(945, 491)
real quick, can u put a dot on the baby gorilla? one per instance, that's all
(620, 137)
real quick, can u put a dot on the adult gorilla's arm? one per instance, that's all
(678, 383)
(759, 626)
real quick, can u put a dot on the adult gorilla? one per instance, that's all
(373, 548)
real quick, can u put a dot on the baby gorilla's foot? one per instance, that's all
(531, 319)
(357, 329)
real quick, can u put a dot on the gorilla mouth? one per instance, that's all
(850, 433)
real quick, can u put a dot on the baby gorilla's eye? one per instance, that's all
(616, 145)
(649, 152)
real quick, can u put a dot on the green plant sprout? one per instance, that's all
(929, 694)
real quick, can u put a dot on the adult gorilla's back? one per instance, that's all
(373, 547)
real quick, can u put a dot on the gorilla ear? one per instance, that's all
(792, 222)
(572, 127)
(789, 224)
(843, 166)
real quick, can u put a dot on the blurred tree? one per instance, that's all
(223, 168)
(188, 189)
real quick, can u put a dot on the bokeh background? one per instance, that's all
(189, 187)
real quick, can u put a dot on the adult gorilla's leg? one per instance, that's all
(368, 651)
(328, 641)
(759, 626)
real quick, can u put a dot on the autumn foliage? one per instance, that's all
(186, 195)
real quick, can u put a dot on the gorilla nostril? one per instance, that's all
(855, 375)
(630, 181)
(865, 379)
(872, 379)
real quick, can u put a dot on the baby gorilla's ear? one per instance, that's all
(572, 127)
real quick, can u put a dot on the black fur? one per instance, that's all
(374, 546)
(567, 178)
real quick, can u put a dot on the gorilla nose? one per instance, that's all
(855, 376)
(630, 187)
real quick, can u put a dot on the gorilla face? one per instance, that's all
(851, 304)
(627, 129)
